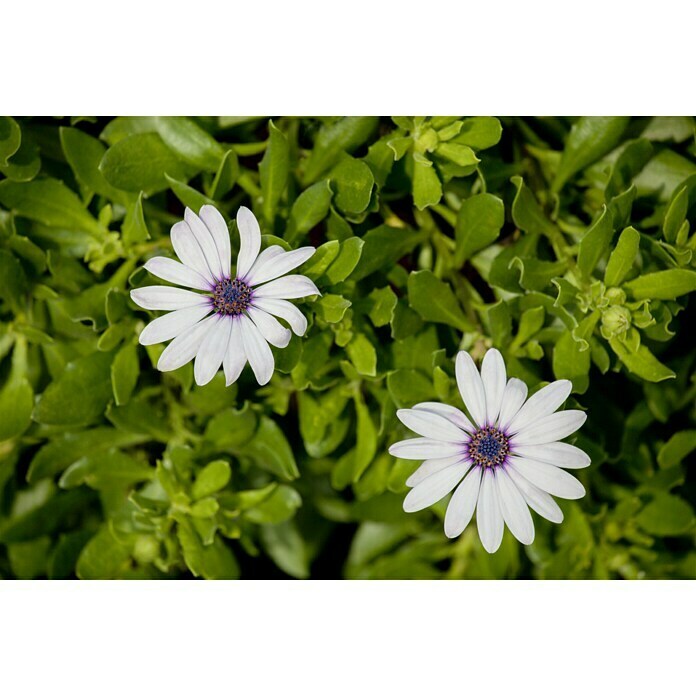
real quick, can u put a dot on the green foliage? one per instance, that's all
(567, 243)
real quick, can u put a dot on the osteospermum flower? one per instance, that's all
(502, 461)
(232, 317)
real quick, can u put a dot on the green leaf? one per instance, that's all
(641, 362)
(25, 164)
(125, 370)
(590, 138)
(226, 175)
(13, 281)
(188, 140)
(666, 515)
(28, 559)
(479, 132)
(383, 305)
(269, 449)
(628, 164)
(232, 428)
(571, 362)
(79, 395)
(274, 170)
(84, 153)
(308, 210)
(336, 138)
(352, 181)
(140, 162)
(527, 213)
(679, 446)
(595, 243)
(213, 562)
(363, 355)
(58, 454)
(479, 222)
(622, 257)
(16, 404)
(663, 285)
(461, 155)
(332, 308)
(134, 230)
(683, 199)
(366, 439)
(348, 257)
(278, 507)
(103, 558)
(536, 274)
(104, 470)
(286, 546)
(409, 387)
(50, 202)
(213, 477)
(10, 138)
(384, 246)
(190, 197)
(434, 300)
(427, 189)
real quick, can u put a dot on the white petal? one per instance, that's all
(471, 387)
(550, 428)
(206, 242)
(557, 453)
(165, 297)
(185, 346)
(493, 376)
(235, 357)
(175, 272)
(549, 478)
(250, 241)
(514, 508)
(212, 351)
(170, 325)
(287, 288)
(257, 350)
(489, 518)
(285, 310)
(266, 255)
(513, 397)
(220, 233)
(452, 414)
(429, 424)
(424, 448)
(278, 265)
(541, 404)
(189, 250)
(434, 488)
(461, 507)
(540, 501)
(271, 329)
(430, 467)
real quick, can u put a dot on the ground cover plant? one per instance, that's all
(565, 243)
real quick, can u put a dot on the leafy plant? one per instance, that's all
(567, 243)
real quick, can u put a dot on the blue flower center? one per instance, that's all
(231, 297)
(488, 447)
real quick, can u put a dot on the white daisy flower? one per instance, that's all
(232, 318)
(504, 460)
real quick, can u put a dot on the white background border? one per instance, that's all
(533, 57)
(353, 638)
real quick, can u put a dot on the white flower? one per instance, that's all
(233, 317)
(503, 461)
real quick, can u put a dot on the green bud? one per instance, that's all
(615, 321)
(616, 296)
(146, 549)
(427, 141)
